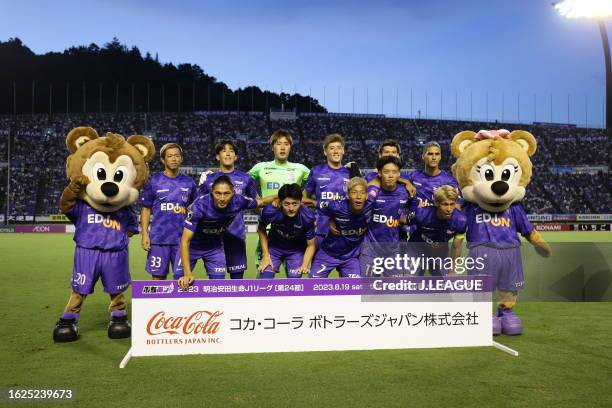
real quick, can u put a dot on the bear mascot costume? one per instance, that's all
(493, 169)
(105, 175)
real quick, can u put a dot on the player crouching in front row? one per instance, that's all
(433, 227)
(350, 217)
(207, 219)
(291, 238)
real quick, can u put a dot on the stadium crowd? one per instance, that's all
(38, 152)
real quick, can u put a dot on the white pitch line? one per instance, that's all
(505, 349)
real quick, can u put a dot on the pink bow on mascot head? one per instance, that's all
(492, 134)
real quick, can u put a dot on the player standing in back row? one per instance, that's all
(328, 181)
(271, 175)
(432, 176)
(234, 238)
(166, 197)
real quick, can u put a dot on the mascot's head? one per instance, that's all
(117, 168)
(493, 166)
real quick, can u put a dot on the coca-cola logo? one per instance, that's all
(200, 322)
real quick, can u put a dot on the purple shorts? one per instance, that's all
(437, 257)
(503, 264)
(161, 257)
(323, 264)
(235, 253)
(213, 258)
(91, 264)
(291, 258)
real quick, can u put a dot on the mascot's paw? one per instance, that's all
(66, 330)
(511, 323)
(497, 326)
(119, 327)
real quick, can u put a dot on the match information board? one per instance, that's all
(286, 315)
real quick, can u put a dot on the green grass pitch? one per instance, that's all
(565, 355)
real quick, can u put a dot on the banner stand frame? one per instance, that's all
(334, 293)
(505, 349)
(126, 358)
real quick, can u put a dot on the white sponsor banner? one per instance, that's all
(207, 321)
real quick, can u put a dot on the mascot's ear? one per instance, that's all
(525, 140)
(78, 136)
(144, 145)
(461, 141)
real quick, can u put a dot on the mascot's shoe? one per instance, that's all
(510, 323)
(497, 326)
(119, 327)
(66, 330)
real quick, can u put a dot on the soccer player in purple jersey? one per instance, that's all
(234, 238)
(388, 147)
(328, 181)
(291, 239)
(166, 197)
(434, 227)
(388, 214)
(351, 218)
(432, 176)
(207, 220)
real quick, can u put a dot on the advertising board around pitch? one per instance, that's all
(290, 315)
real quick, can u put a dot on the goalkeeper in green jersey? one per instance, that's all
(271, 175)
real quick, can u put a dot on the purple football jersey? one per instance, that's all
(496, 229)
(324, 184)
(429, 228)
(168, 199)
(288, 232)
(425, 185)
(99, 230)
(389, 206)
(352, 227)
(243, 185)
(208, 223)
